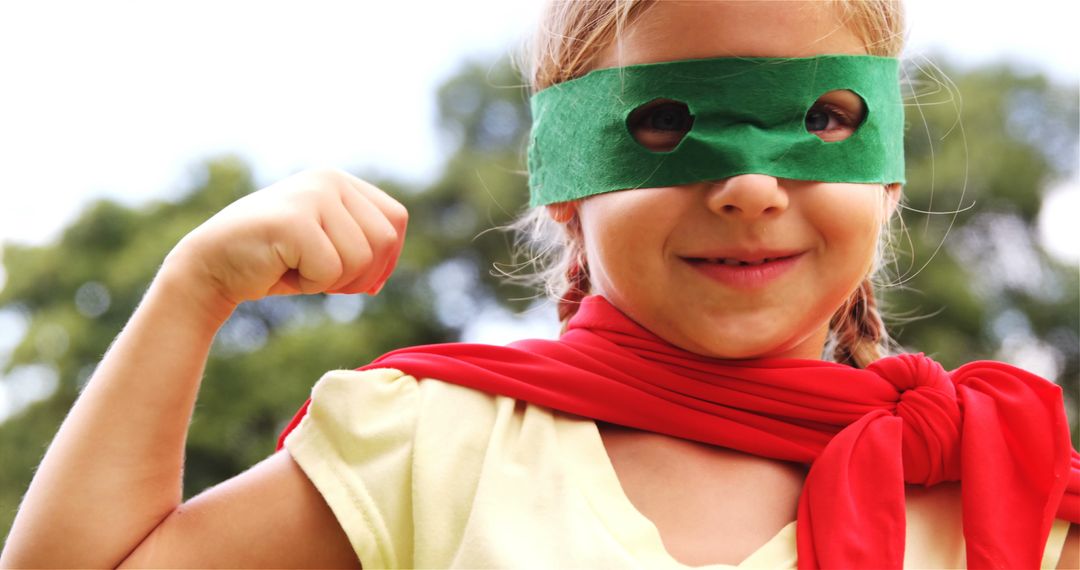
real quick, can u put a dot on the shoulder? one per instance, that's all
(356, 414)
(387, 401)
(393, 455)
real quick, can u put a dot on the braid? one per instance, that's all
(857, 328)
(577, 288)
(578, 285)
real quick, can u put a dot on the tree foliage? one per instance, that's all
(987, 291)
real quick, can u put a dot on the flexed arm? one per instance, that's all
(113, 473)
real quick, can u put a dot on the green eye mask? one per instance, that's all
(749, 115)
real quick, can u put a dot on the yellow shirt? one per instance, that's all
(434, 475)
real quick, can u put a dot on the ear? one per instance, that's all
(563, 212)
(892, 198)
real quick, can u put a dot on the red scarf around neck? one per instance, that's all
(999, 430)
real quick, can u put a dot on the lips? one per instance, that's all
(745, 270)
(742, 256)
(739, 261)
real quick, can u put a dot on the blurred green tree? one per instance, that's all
(991, 290)
(971, 279)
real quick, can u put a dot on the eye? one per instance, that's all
(835, 115)
(660, 125)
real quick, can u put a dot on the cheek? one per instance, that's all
(611, 243)
(850, 214)
(624, 233)
(849, 220)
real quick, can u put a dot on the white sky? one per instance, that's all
(122, 98)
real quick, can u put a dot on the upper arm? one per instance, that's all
(270, 516)
(1070, 553)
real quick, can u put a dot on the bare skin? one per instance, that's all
(690, 491)
(694, 492)
(108, 492)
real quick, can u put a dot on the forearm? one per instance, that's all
(114, 469)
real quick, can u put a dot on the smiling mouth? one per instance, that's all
(746, 274)
(737, 262)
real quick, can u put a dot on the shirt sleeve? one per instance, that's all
(356, 446)
(1055, 543)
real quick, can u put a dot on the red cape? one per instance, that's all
(999, 430)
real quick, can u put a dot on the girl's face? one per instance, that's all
(653, 252)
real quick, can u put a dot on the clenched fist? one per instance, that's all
(319, 231)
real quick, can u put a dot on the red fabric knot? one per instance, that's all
(932, 419)
(865, 432)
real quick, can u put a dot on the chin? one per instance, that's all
(735, 346)
(735, 349)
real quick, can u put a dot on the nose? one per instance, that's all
(747, 196)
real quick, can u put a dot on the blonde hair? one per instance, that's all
(571, 34)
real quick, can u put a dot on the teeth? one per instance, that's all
(736, 262)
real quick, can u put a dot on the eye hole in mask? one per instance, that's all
(660, 125)
(835, 115)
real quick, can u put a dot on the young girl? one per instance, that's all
(723, 178)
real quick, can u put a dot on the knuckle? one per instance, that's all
(364, 258)
(398, 217)
(322, 179)
(333, 268)
(386, 240)
(400, 213)
(369, 186)
(323, 173)
(336, 276)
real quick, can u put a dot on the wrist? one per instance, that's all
(184, 287)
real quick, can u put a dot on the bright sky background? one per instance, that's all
(123, 98)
